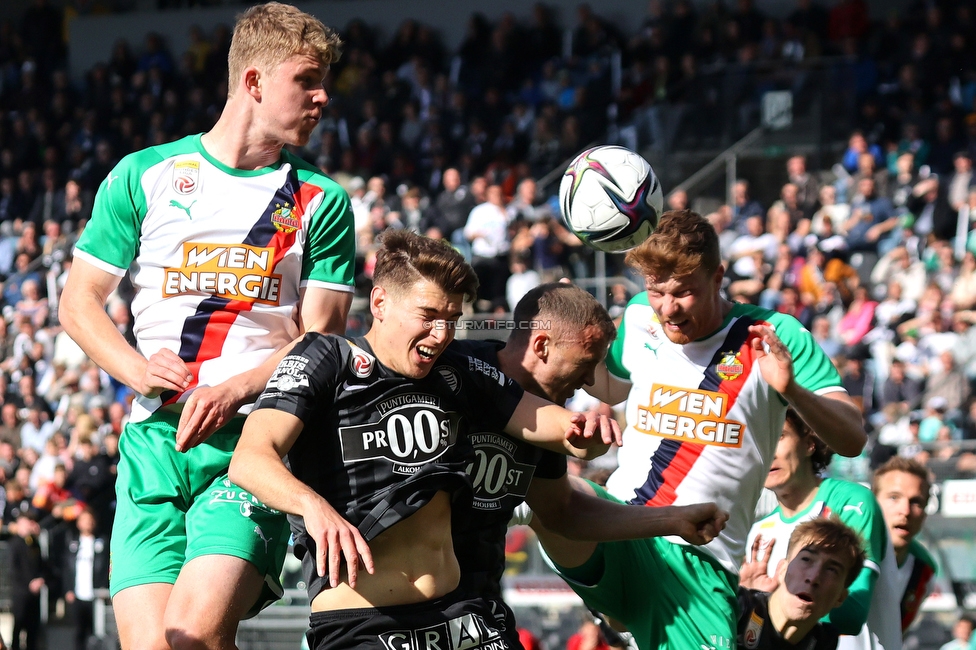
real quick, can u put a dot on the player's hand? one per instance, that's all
(754, 573)
(596, 428)
(776, 364)
(165, 370)
(335, 539)
(592, 433)
(206, 409)
(700, 523)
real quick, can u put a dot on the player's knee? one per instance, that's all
(186, 637)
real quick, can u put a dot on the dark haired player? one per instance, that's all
(562, 335)
(376, 435)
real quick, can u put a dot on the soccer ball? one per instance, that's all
(610, 198)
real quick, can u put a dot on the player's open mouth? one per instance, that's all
(805, 597)
(426, 353)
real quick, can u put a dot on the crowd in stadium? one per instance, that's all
(867, 253)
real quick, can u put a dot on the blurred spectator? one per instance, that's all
(86, 568)
(587, 637)
(487, 230)
(960, 181)
(807, 186)
(947, 383)
(29, 572)
(743, 206)
(962, 633)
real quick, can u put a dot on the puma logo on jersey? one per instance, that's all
(856, 508)
(109, 180)
(654, 349)
(176, 204)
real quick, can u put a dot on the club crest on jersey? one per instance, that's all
(284, 218)
(753, 632)
(451, 377)
(186, 176)
(730, 366)
(361, 362)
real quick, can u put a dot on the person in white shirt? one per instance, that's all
(487, 230)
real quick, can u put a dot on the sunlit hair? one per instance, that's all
(406, 258)
(683, 242)
(908, 465)
(569, 308)
(268, 35)
(830, 536)
(822, 454)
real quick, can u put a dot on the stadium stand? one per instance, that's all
(832, 149)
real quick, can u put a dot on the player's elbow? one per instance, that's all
(238, 471)
(852, 444)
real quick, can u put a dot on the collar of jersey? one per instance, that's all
(231, 170)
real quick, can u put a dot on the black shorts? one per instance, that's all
(448, 623)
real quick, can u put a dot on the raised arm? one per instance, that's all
(608, 520)
(552, 427)
(257, 467)
(570, 507)
(832, 416)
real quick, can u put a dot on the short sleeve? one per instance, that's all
(813, 368)
(305, 379)
(330, 255)
(110, 241)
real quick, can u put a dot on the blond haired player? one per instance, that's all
(235, 248)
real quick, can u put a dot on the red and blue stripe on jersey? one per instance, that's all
(205, 332)
(673, 460)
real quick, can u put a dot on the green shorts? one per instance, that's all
(668, 595)
(173, 507)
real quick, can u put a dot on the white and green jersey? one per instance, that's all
(217, 255)
(853, 503)
(702, 423)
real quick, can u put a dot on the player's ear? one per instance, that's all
(251, 80)
(378, 300)
(781, 570)
(540, 341)
(719, 276)
(841, 598)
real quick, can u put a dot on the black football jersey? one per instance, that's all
(377, 445)
(756, 631)
(500, 475)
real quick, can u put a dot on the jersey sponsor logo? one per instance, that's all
(186, 176)
(410, 437)
(451, 377)
(236, 272)
(689, 415)
(290, 374)
(361, 363)
(284, 218)
(494, 472)
(730, 367)
(467, 632)
(753, 631)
